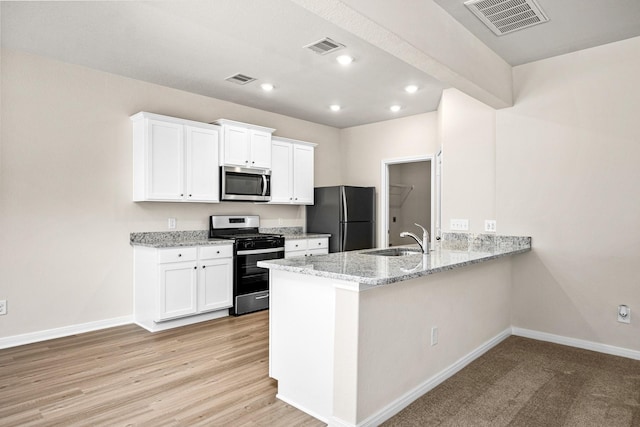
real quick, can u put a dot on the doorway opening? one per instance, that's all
(410, 193)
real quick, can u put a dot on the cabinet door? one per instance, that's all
(165, 160)
(236, 146)
(177, 290)
(281, 172)
(202, 164)
(215, 284)
(260, 149)
(302, 175)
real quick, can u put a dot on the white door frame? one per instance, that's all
(384, 194)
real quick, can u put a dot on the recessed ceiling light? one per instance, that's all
(344, 59)
(395, 108)
(335, 107)
(267, 87)
(411, 88)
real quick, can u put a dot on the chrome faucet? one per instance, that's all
(424, 245)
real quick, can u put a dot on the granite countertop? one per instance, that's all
(172, 239)
(456, 250)
(305, 236)
(168, 239)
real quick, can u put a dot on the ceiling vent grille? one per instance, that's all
(324, 46)
(240, 79)
(506, 16)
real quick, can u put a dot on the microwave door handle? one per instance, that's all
(264, 185)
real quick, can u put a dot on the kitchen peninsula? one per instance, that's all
(355, 337)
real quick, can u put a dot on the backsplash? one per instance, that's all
(480, 242)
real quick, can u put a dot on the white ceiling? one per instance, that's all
(195, 45)
(573, 25)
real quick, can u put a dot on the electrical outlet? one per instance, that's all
(3, 307)
(172, 223)
(434, 335)
(490, 225)
(459, 225)
(624, 314)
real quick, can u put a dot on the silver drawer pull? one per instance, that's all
(263, 296)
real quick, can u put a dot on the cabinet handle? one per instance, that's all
(252, 162)
(189, 195)
(179, 255)
(319, 243)
(217, 252)
(290, 198)
(204, 266)
(182, 195)
(195, 267)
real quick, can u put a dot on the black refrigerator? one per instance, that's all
(348, 213)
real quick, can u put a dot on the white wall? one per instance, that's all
(365, 147)
(567, 174)
(467, 133)
(66, 187)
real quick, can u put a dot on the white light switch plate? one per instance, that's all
(459, 225)
(171, 223)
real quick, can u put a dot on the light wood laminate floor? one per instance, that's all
(210, 374)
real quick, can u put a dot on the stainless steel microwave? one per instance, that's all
(244, 184)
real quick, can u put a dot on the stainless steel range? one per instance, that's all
(250, 282)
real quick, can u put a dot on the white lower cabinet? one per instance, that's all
(177, 290)
(212, 273)
(179, 286)
(306, 247)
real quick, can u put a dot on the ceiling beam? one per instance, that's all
(422, 34)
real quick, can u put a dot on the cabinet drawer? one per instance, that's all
(217, 251)
(319, 251)
(321, 242)
(295, 245)
(177, 254)
(295, 254)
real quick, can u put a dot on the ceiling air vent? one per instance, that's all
(240, 79)
(506, 16)
(324, 46)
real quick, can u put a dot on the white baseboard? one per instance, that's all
(574, 342)
(49, 334)
(399, 404)
(302, 408)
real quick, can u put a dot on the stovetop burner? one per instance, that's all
(241, 229)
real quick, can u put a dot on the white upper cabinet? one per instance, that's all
(175, 160)
(292, 172)
(203, 174)
(245, 145)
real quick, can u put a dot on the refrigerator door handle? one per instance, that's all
(345, 227)
(344, 204)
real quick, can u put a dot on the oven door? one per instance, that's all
(242, 184)
(251, 284)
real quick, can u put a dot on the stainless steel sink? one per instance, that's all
(395, 252)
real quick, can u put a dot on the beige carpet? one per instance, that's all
(523, 382)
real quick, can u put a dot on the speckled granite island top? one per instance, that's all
(455, 250)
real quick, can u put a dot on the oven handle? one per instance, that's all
(260, 251)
